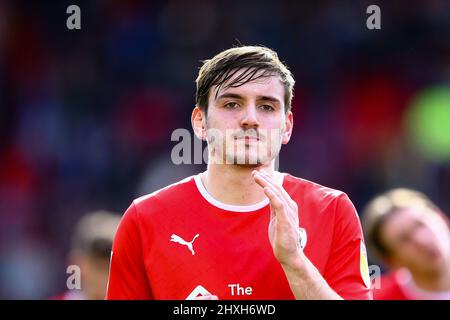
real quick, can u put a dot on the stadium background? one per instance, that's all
(86, 115)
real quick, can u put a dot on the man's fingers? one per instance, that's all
(269, 180)
(263, 179)
(275, 203)
(280, 188)
(260, 180)
(278, 206)
(275, 200)
(290, 208)
(271, 192)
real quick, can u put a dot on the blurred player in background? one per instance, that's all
(90, 251)
(241, 229)
(409, 234)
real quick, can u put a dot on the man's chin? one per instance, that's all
(242, 160)
(249, 161)
(248, 165)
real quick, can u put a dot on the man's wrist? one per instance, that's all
(297, 264)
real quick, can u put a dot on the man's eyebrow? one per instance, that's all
(230, 95)
(238, 96)
(268, 98)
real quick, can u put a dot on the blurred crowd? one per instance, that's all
(86, 115)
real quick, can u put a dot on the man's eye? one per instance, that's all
(231, 105)
(418, 224)
(267, 107)
(403, 238)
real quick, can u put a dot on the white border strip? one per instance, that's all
(229, 207)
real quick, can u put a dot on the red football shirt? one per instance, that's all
(399, 285)
(179, 242)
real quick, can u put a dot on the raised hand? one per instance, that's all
(284, 224)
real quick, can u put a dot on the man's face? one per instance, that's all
(247, 125)
(418, 239)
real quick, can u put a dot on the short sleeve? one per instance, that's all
(127, 275)
(347, 270)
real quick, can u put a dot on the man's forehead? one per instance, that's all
(418, 211)
(266, 83)
(404, 218)
(408, 213)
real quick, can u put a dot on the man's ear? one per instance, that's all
(392, 262)
(198, 121)
(288, 125)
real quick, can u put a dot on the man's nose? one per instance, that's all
(250, 117)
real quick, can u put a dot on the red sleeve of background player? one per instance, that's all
(127, 276)
(347, 269)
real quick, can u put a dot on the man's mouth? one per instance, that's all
(247, 138)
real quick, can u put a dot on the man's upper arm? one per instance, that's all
(127, 275)
(347, 268)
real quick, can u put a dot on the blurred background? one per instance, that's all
(86, 115)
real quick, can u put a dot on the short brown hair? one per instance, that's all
(94, 233)
(256, 61)
(381, 208)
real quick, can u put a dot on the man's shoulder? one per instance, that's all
(317, 199)
(310, 189)
(170, 193)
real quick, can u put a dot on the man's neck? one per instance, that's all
(233, 184)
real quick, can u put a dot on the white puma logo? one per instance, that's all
(175, 238)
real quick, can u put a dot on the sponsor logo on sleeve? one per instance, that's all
(364, 265)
